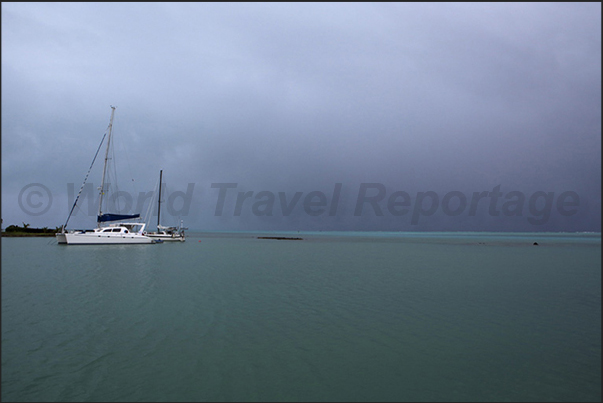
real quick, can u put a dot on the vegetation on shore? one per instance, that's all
(25, 230)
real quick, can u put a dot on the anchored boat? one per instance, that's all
(111, 228)
(165, 233)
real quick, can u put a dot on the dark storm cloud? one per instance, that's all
(299, 97)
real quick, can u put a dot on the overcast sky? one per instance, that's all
(453, 99)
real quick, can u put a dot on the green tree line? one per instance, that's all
(25, 228)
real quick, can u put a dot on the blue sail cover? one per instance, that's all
(116, 217)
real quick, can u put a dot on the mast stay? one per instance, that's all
(85, 179)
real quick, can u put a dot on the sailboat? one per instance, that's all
(165, 233)
(111, 228)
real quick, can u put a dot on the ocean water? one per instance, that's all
(334, 317)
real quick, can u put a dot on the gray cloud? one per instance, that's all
(298, 97)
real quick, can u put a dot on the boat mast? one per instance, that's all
(159, 200)
(102, 187)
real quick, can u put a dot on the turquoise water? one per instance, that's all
(335, 317)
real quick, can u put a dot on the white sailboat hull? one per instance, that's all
(166, 237)
(93, 238)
